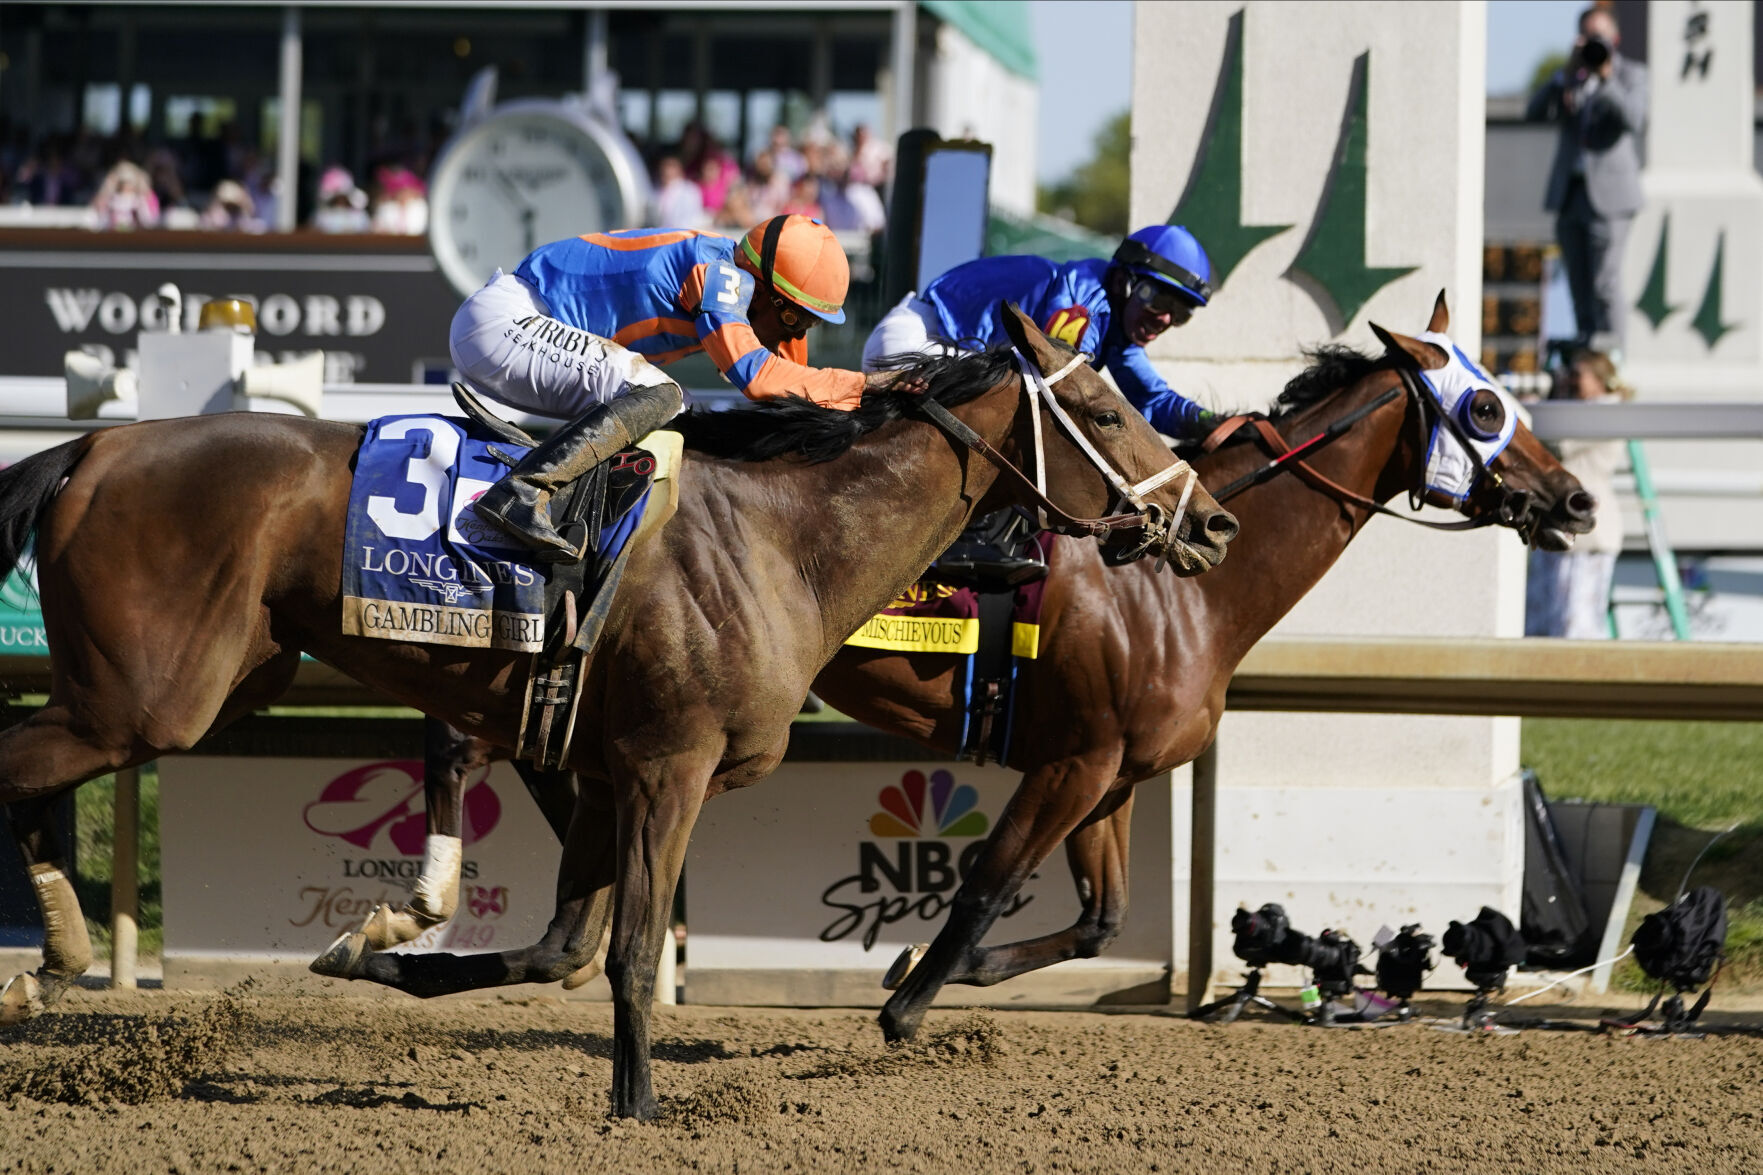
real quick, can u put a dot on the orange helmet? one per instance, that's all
(800, 258)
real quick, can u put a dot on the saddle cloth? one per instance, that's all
(933, 617)
(419, 565)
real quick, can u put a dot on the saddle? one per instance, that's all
(595, 513)
(997, 551)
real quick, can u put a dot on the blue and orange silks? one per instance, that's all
(666, 293)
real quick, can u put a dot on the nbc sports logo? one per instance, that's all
(952, 808)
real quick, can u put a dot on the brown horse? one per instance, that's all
(186, 564)
(1131, 678)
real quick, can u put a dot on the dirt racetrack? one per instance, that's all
(179, 1082)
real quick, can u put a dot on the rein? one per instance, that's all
(1515, 508)
(1145, 515)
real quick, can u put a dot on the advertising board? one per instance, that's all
(266, 861)
(802, 889)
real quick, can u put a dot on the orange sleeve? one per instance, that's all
(762, 375)
(691, 291)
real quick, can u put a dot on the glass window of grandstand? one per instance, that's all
(169, 117)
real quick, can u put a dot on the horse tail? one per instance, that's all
(25, 492)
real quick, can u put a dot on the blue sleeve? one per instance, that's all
(1169, 412)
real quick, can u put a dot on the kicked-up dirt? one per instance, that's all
(156, 1081)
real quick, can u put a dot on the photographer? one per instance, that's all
(1599, 98)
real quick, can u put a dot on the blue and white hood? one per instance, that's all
(1450, 471)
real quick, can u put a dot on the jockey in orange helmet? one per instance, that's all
(578, 329)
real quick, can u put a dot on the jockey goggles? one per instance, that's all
(1158, 298)
(1189, 288)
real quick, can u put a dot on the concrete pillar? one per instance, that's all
(1330, 159)
(1694, 265)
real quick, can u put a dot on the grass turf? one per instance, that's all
(1703, 777)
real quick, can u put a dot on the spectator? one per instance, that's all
(769, 188)
(678, 201)
(342, 207)
(869, 159)
(48, 180)
(125, 199)
(851, 206)
(805, 199)
(737, 209)
(715, 178)
(1568, 593)
(402, 207)
(168, 185)
(1600, 101)
(784, 155)
(232, 209)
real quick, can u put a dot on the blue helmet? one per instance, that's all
(1169, 254)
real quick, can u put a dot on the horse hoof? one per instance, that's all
(902, 966)
(20, 999)
(583, 975)
(386, 928)
(343, 956)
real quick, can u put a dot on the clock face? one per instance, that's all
(521, 178)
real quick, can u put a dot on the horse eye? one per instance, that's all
(1108, 420)
(1488, 409)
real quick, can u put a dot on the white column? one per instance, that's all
(288, 134)
(1693, 271)
(1348, 820)
(902, 48)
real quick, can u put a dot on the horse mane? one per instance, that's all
(1333, 366)
(797, 427)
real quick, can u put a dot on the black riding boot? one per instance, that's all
(520, 504)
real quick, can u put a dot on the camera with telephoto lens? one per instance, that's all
(1595, 52)
(1260, 934)
(1266, 936)
(1402, 962)
(1484, 947)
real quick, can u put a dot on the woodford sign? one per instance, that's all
(375, 305)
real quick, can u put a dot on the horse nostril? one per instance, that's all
(1582, 504)
(1221, 527)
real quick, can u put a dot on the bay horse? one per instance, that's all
(185, 565)
(1133, 667)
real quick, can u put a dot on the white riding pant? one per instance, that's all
(911, 328)
(505, 342)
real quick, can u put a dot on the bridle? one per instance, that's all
(1158, 531)
(1516, 508)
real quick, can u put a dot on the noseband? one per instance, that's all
(1148, 517)
(1516, 508)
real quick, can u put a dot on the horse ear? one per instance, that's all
(1423, 356)
(1441, 316)
(1028, 337)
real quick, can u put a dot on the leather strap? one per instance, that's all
(1061, 521)
(1288, 457)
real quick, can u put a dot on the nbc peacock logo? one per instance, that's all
(952, 808)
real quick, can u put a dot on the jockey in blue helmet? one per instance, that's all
(1109, 309)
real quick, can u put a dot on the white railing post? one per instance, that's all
(124, 879)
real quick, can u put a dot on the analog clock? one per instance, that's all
(528, 173)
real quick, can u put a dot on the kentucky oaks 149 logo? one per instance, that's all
(917, 870)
